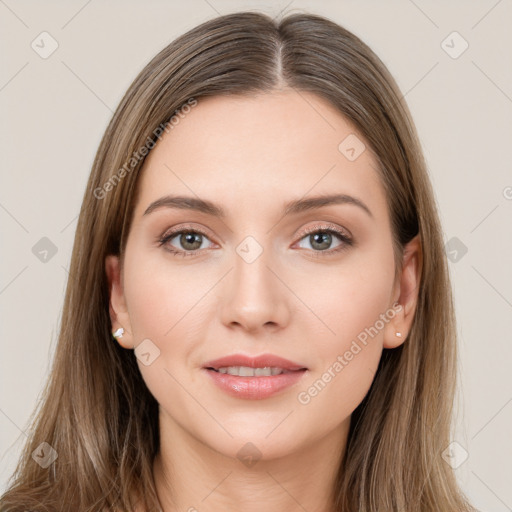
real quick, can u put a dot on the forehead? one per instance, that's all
(254, 152)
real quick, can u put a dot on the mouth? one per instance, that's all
(250, 366)
(254, 378)
(247, 371)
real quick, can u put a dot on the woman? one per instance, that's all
(259, 311)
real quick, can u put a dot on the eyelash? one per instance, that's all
(346, 241)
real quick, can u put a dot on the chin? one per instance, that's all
(256, 444)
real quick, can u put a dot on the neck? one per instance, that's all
(192, 476)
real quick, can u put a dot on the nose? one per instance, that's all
(254, 297)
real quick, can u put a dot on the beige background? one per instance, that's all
(54, 111)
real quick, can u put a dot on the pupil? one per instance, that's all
(321, 238)
(190, 238)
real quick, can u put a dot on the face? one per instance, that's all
(311, 283)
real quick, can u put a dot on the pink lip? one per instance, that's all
(254, 388)
(255, 362)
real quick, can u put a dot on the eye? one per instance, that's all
(190, 240)
(321, 239)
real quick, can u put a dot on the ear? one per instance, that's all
(406, 295)
(119, 316)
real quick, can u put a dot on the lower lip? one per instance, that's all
(254, 388)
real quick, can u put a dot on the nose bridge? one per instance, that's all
(255, 297)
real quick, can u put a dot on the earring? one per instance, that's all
(399, 334)
(118, 334)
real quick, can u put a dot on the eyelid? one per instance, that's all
(344, 236)
(325, 225)
(170, 233)
(184, 227)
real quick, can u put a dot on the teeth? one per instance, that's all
(246, 371)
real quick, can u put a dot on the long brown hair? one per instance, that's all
(97, 412)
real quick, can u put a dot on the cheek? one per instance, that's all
(160, 296)
(167, 306)
(353, 306)
(344, 303)
(346, 363)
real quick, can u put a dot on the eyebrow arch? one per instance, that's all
(311, 203)
(293, 207)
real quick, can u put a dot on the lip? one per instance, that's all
(255, 362)
(254, 388)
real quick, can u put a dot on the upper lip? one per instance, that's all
(261, 361)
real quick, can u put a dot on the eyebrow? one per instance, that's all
(293, 207)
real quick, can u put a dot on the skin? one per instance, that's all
(251, 156)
